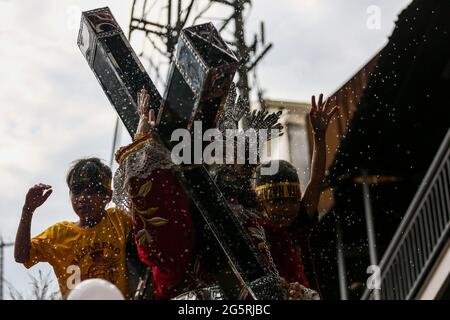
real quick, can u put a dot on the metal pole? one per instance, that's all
(242, 49)
(370, 226)
(342, 270)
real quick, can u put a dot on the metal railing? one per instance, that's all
(424, 231)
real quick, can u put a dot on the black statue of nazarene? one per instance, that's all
(197, 89)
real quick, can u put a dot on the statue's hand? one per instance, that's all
(143, 102)
(147, 117)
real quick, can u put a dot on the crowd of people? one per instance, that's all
(153, 218)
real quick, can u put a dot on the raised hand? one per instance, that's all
(36, 196)
(147, 121)
(320, 115)
(143, 101)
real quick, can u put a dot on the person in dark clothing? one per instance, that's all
(290, 215)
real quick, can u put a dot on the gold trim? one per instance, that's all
(143, 190)
(158, 221)
(139, 135)
(278, 190)
(131, 148)
(376, 179)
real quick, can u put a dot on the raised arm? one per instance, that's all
(320, 116)
(35, 197)
(146, 113)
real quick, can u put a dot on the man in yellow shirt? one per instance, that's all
(93, 247)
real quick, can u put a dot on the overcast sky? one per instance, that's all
(53, 111)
